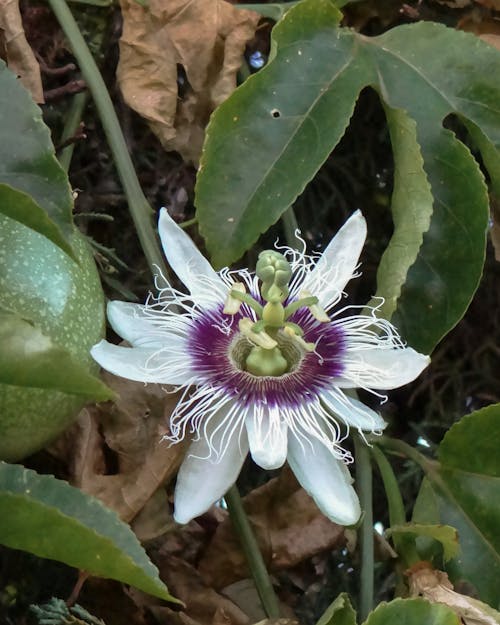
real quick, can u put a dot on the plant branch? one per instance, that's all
(252, 553)
(139, 207)
(364, 488)
(405, 545)
(403, 449)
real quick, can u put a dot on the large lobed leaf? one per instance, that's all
(34, 188)
(463, 490)
(267, 141)
(51, 519)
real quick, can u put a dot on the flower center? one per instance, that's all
(271, 338)
(284, 358)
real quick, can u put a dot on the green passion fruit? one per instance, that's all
(41, 283)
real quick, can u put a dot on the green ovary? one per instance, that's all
(266, 362)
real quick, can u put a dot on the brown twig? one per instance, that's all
(71, 87)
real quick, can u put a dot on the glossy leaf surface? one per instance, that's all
(340, 612)
(469, 496)
(51, 519)
(31, 359)
(64, 301)
(268, 140)
(412, 612)
(28, 164)
(444, 534)
(465, 492)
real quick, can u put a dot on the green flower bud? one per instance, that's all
(275, 272)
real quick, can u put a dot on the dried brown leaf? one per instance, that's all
(206, 38)
(455, 4)
(116, 453)
(154, 519)
(489, 4)
(288, 526)
(16, 51)
(435, 586)
(203, 605)
(244, 594)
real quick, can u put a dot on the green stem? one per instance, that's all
(139, 207)
(364, 488)
(252, 553)
(290, 226)
(188, 223)
(402, 448)
(397, 515)
(73, 120)
(405, 545)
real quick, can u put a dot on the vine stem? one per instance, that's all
(405, 545)
(72, 123)
(402, 448)
(366, 540)
(139, 207)
(252, 552)
(290, 226)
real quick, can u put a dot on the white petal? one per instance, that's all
(203, 480)
(352, 411)
(382, 369)
(338, 262)
(130, 322)
(267, 437)
(326, 479)
(141, 364)
(189, 264)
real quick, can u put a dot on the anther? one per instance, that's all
(317, 311)
(233, 304)
(308, 347)
(260, 338)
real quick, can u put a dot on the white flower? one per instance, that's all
(263, 365)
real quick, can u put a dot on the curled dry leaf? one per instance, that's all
(178, 61)
(288, 525)
(487, 28)
(490, 4)
(435, 586)
(203, 605)
(117, 454)
(16, 51)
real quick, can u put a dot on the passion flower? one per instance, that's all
(264, 360)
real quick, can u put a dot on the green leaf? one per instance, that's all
(22, 207)
(340, 612)
(411, 207)
(28, 164)
(441, 283)
(268, 140)
(444, 534)
(412, 612)
(466, 484)
(51, 519)
(30, 358)
(41, 283)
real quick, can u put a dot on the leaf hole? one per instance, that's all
(275, 113)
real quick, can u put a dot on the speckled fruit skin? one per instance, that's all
(41, 283)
